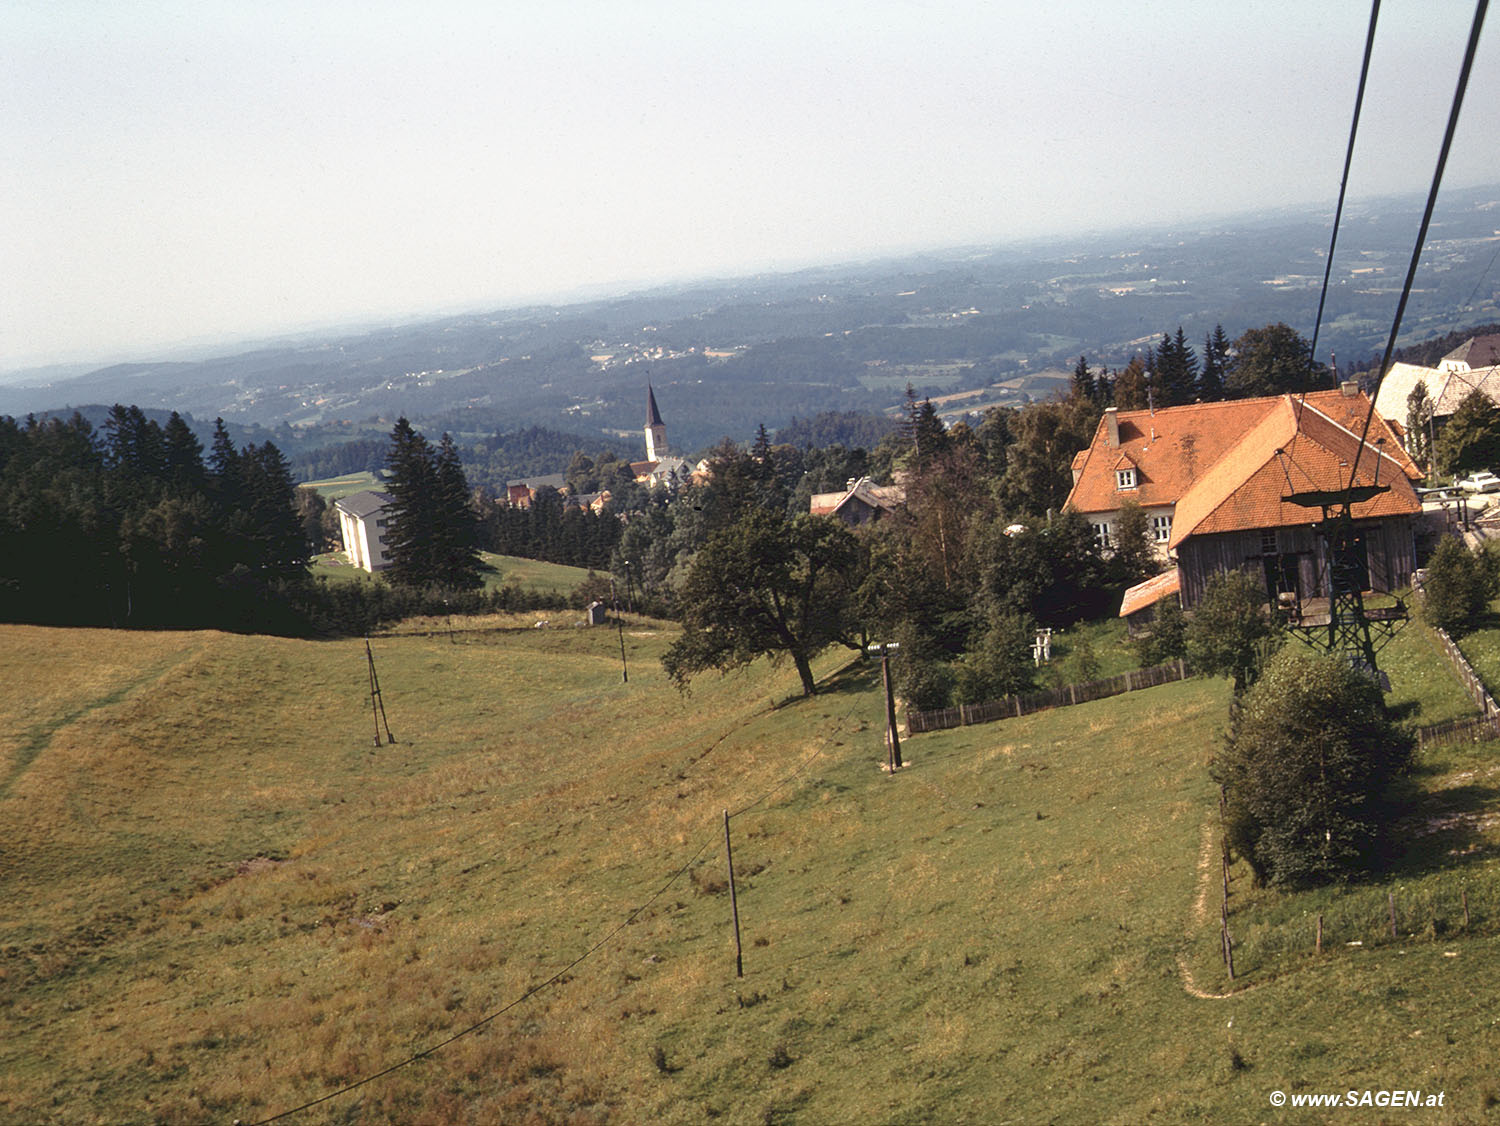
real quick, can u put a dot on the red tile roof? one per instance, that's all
(1186, 450)
(1297, 447)
(1169, 449)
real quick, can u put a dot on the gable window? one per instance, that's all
(1125, 478)
(1268, 542)
(1161, 528)
(1101, 534)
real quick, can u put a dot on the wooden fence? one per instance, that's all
(1467, 730)
(1488, 709)
(1028, 702)
(1486, 725)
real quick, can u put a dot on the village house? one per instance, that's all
(1216, 482)
(1473, 366)
(363, 518)
(520, 493)
(861, 501)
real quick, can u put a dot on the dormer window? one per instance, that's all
(1125, 478)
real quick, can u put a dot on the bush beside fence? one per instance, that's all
(1024, 704)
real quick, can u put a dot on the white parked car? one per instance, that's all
(1481, 482)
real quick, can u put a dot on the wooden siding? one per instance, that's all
(1389, 546)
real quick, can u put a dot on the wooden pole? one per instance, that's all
(1391, 899)
(620, 622)
(377, 702)
(893, 737)
(1319, 946)
(734, 904)
(1464, 895)
(374, 714)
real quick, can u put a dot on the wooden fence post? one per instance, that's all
(1391, 899)
(734, 905)
(1319, 944)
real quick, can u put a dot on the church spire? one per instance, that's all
(656, 429)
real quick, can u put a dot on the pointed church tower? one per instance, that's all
(656, 429)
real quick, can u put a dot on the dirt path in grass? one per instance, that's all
(1201, 917)
(40, 736)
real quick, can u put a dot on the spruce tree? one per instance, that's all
(1176, 371)
(413, 486)
(1083, 380)
(457, 527)
(1215, 365)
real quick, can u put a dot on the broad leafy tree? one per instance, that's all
(1133, 550)
(766, 586)
(1307, 769)
(1130, 386)
(1231, 631)
(1460, 585)
(1039, 459)
(1270, 361)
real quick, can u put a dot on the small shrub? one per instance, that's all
(780, 1058)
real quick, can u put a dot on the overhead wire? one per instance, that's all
(1470, 50)
(1338, 214)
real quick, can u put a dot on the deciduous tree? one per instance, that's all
(1231, 631)
(1306, 771)
(1271, 360)
(766, 586)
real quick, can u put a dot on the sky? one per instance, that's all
(182, 171)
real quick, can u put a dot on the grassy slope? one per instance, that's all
(223, 900)
(529, 574)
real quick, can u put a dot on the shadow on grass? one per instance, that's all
(855, 678)
(1446, 828)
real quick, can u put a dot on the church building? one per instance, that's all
(661, 467)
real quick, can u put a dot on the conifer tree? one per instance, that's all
(1215, 365)
(1176, 371)
(183, 456)
(457, 528)
(1083, 380)
(409, 536)
(433, 535)
(1419, 424)
(929, 434)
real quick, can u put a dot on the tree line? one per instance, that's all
(134, 526)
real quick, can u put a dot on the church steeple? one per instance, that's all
(656, 429)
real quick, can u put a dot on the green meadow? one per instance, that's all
(223, 901)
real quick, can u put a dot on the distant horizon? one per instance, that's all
(192, 349)
(210, 172)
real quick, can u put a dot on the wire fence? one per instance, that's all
(1009, 707)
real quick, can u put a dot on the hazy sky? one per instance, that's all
(178, 171)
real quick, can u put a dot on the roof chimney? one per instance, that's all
(1112, 427)
(1350, 388)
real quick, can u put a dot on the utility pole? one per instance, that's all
(620, 625)
(892, 735)
(377, 702)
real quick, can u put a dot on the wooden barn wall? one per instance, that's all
(1388, 544)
